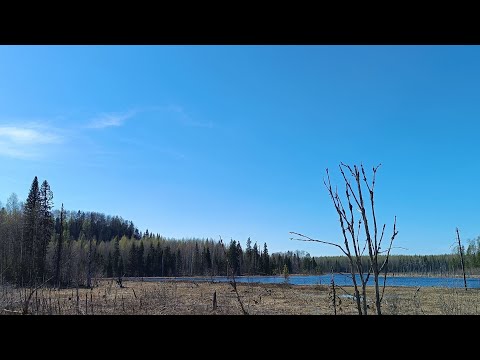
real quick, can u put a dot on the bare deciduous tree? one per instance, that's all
(352, 229)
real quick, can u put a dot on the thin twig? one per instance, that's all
(306, 238)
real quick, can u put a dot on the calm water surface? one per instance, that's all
(340, 279)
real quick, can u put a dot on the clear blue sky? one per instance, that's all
(234, 140)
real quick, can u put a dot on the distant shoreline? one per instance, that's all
(413, 275)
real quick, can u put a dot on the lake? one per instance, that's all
(340, 279)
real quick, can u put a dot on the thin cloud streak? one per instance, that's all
(106, 120)
(26, 141)
(27, 135)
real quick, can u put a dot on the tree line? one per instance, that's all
(69, 248)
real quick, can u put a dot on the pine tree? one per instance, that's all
(109, 269)
(208, 258)
(46, 227)
(233, 256)
(248, 255)
(266, 260)
(140, 261)
(157, 261)
(239, 258)
(166, 262)
(196, 260)
(255, 259)
(30, 234)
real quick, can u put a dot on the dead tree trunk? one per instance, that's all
(460, 249)
(214, 300)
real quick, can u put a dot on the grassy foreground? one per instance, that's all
(189, 298)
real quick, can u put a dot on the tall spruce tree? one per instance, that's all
(30, 235)
(266, 260)
(46, 228)
(248, 255)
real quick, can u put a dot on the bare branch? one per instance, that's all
(306, 238)
(395, 232)
(393, 247)
(27, 301)
(381, 237)
(364, 247)
(347, 182)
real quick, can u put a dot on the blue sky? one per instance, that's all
(234, 140)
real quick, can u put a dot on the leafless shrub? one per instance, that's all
(352, 229)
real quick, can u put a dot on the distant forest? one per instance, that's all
(69, 248)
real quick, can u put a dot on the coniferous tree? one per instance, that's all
(208, 259)
(46, 227)
(109, 268)
(30, 234)
(140, 262)
(248, 256)
(166, 262)
(233, 256)
(157, 261)
(266, 260)
(239, 258)
(255, 259)
(196, 260)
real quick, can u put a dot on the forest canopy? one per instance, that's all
(69, 248)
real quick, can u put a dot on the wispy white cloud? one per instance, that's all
(186, 119)
(27, 135)
(105, 120)
(27, 140)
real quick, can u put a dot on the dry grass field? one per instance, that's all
(189, 298)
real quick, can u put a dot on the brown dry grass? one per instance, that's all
(189, 298)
